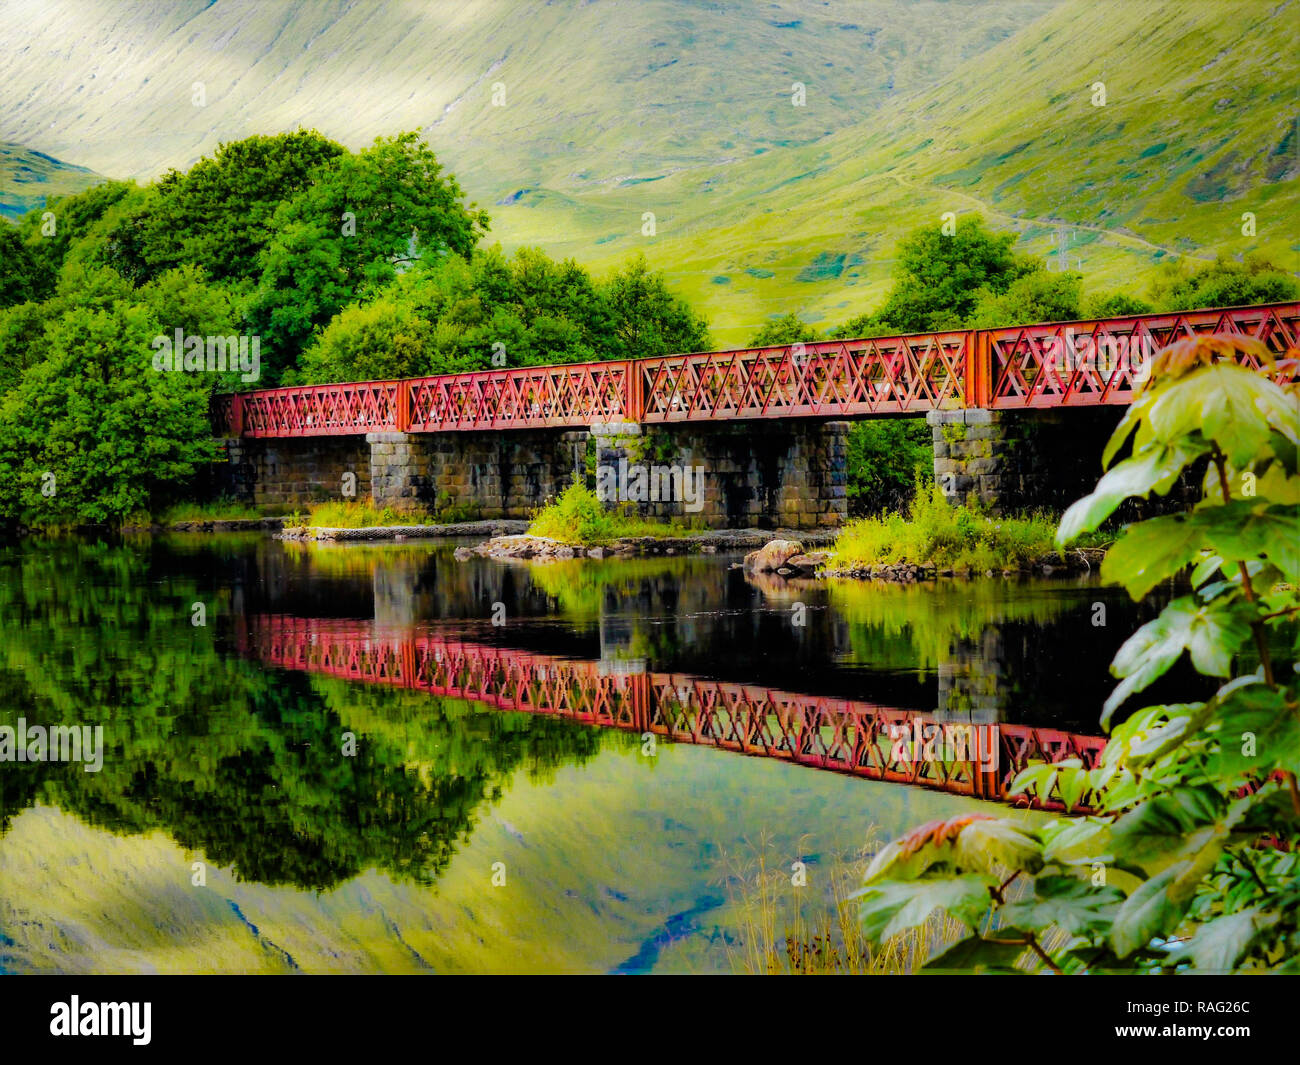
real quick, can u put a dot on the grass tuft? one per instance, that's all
(217, 510)
(579, 517)
(935, 532)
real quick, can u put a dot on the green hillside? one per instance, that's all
(28, 177)
(1198, 128)
(683, 109)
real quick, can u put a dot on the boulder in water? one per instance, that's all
(772, 556)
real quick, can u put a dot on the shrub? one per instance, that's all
(934, 531)
(579, 517)
(1192, 862)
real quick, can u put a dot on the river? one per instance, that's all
(314, 758)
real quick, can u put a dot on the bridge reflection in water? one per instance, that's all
(846, 736)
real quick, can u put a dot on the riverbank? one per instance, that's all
(545, 548)
(1073, 562)
(431, 531)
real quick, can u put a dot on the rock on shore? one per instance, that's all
(786, 558)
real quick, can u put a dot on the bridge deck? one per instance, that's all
(1084, 363)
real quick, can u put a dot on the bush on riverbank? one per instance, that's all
(358, 515)
(934, 532)
(579, 517)
(217, 510)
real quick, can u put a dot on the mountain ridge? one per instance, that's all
(686, 112)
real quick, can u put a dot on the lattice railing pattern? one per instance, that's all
(577, 394)
(884, 375)
(1105, 361)
(1053, 365)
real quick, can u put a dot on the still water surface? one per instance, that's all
(229, 832)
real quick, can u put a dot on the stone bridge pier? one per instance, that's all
(790, 474)
(1012, 461)
(761, 474)
(466, 475)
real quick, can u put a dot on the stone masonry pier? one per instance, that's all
(741, 474)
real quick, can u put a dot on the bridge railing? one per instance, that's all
(1079, 363)
(312, 410)
(880, 375)
(572, 394)
(1100, 361)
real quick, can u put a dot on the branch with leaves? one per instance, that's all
(1194, 859)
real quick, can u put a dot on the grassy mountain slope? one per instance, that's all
(28, 177)
(683, 108)
(596, 93)
(1199, 126)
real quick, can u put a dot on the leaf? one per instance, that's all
(921, 850)
(1247, 529)
(1151, 911)
(974, 954)
(1133, 418)
(1152, 552)
(1255, 714)
(1167, 827)
(892, 907)
(1232, 405)
(1211, 632)
(991, 846)
(1074, 782)
(1073, 904)
(1031, 778)
(1219, 944)
(1206, 568)
(1153, 743)
(1078, 839)
(1154, 470)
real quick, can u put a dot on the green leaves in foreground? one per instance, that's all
(1194, 862)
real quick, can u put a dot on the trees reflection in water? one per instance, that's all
(243, 764)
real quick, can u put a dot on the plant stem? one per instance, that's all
(1248, 589)
(1030, 940)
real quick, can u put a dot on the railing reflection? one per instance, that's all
(847, 736)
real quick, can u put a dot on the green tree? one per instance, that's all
(22, 328)
(21, 275)
(940, 278)
(1224, 283)
(647, 320)
(220, 214)
(1114, 305)
(886, 459)
(361, 219)
(65, 221)
(1040, 296)
(375, 341)
(91, 432)
(449, 315)
(788, 329)
(1178, 871)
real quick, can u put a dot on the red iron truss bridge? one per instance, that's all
(845, 736)
(1060, 364)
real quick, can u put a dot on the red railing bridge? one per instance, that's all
(1059, 364)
